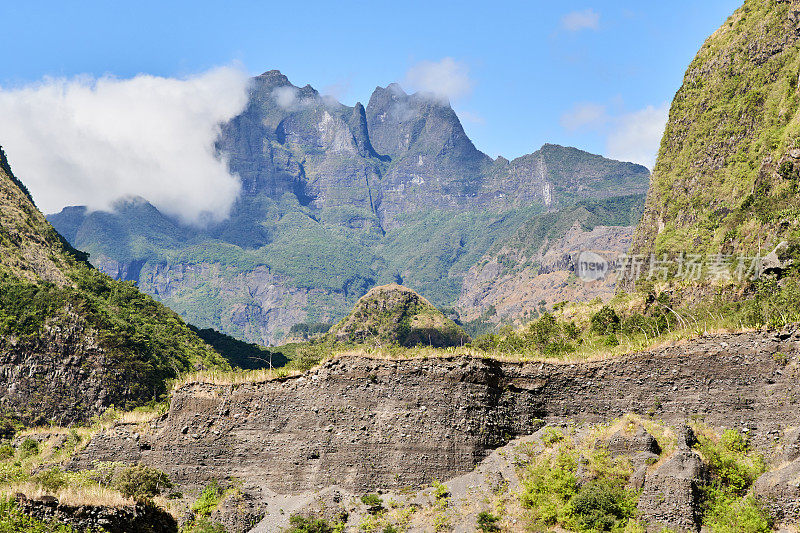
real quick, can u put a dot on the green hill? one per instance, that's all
(393, 314)
(72, 340)
(727, 171)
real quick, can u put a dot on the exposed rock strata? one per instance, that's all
(365, 424)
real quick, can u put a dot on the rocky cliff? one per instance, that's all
(364, 425)
(336, 200)
(726, 176)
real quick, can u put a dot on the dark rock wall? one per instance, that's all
(365, 424)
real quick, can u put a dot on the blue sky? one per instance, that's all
(591, 74)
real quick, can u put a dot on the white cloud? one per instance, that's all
(447, 78)
(588, 19)
(584, 116)
(93, 141)
(285, 96)
(636, 136)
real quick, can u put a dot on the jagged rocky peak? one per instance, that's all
(419, 124)
(274, 78)
(394, 314)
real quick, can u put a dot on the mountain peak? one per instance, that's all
(274, 78)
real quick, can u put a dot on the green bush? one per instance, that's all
(605, 321)
(203, 525)
(301, 524)
(487, 522)
(440, 491)
(51, 480)
(730, 514)
(209, 499)
(600, 506)
(553, 497)
(551, 436)
(141, 482)
(28, 448)
(730, 464)
(373, 501)
(6, 452)
(733, 467)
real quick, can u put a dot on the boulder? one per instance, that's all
(625, 442)
(671, 493)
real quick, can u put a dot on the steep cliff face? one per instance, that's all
(336, 200)
(73, 341)
(727, 172)
(361, 425)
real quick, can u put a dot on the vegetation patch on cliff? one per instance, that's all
(393, 314)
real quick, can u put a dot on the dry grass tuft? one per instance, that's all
(76, 496)
(228, 378)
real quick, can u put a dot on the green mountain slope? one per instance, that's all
(727, 171)
(72, 340)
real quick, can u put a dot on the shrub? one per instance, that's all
(204, 525)
(440, 491)
(301, 524)
(487, 522)
(51, 480)
(141, 482)
(6, 452)
(611, 340)
(373, 501)
(729, 514)
(729, 461)
(208, 500)
(28, 448)
(733, 469)
(600, 506)
(551, 436)
(605, 321)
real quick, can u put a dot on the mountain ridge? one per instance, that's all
(335, 200)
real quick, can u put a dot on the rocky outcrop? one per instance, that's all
(672, 493)
(139, 518)
(393, 314)
(366, 424)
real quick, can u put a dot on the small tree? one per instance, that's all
(141, 482)
(605, 321)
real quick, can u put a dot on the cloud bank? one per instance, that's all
(86, 141)
(632, 136)
(583, 116)
(447, 78)
(637, 136)
(588, 19)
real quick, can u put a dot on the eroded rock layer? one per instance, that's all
(366, 424)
